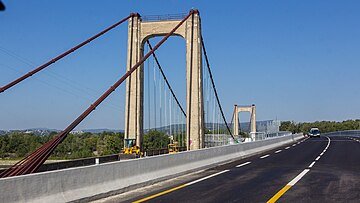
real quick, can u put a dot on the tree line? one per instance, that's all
(324, 126)
(19, 144)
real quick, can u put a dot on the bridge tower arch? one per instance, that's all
(139, 32)
(252, 110)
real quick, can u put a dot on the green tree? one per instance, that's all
(109, 143)
(324, 126)
(155, 140)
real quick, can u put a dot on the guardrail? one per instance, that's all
(95, 160)
(355, 133)
(96, 181)
(263, 135)
(277, 134)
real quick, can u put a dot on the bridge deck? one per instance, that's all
(332, 178)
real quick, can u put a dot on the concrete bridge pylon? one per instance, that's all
(139, 32)
(252, 110)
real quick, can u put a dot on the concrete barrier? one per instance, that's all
(84, 183)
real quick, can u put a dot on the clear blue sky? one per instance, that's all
(296, 60)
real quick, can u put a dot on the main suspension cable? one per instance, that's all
(232, 117)
(18, 80)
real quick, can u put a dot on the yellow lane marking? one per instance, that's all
(288, 186)
(179, 187)
(279, 194)
(297, 178)
(160, 193)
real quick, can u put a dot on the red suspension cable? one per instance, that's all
(18, 80)
(33, 161)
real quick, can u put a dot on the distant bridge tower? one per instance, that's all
(252, 110)
(139, 31)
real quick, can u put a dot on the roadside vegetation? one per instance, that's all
(324, 126)
(16, 145)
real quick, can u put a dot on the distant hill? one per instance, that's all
(47, 131)
(35, 131)
(245, 127)
(261, 125)
(102, 130)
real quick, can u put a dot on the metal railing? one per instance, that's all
(354, 133)
(263, 135)
(214, 140)
(277, 134)
(152, 18)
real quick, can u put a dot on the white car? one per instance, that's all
(314, 132)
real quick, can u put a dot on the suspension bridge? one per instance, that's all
(150, 97)
(140, 30)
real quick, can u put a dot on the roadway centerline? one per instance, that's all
(179, 187)
(297, 178)
(322, 153)
(288, 186)
(263, 157)
(243, 164)
(312, 164)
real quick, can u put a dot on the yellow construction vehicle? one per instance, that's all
(131, 148)
(172, 148)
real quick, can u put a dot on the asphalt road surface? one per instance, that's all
(325, 169)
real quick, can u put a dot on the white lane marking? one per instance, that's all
(294, 145)
(312, 164)
(243, 164)
(298, 143)
(207, 177)
(327, 146)
(298, 177)
(322, 153)
(287, 148)
(278, 151)
(264, 156)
